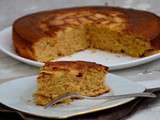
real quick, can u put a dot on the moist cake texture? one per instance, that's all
(58, 78)
(51, 34)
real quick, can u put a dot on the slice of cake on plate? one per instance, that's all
(58, 78)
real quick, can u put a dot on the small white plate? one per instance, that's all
(17, 94)
(112, 60)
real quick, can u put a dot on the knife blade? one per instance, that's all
(151, 85)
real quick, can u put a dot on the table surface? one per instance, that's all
(11, 69)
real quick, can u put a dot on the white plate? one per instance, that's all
(17, 94)
(113, 61)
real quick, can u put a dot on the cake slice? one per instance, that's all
(58, 78)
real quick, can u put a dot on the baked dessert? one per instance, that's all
(50, 34)
(58, 78)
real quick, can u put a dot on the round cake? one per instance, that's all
(47, 35)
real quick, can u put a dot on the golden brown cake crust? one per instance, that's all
(79, 65)
(23, 47)
(29, 29)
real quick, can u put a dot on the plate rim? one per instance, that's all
(74, 114)
(126, 100)
(129, 64)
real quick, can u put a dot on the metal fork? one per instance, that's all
(76, 95)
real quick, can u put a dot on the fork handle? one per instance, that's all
(144, 94)
(71, 95)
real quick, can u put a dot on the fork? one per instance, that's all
(76, 95)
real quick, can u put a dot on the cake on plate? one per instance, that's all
(57, 78)
(47, 35)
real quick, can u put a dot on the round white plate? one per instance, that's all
(17, 94)
(112, 60)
